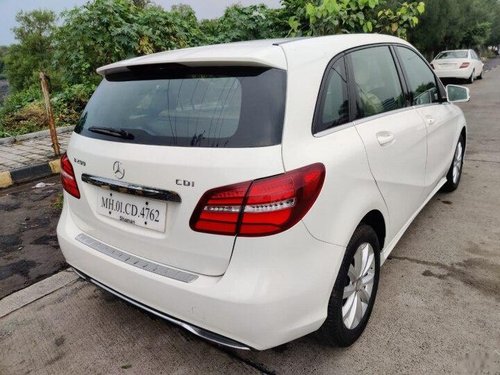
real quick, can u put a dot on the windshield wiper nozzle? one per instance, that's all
(113, 132)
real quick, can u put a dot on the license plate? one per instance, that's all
(131, 209)
(447, 65)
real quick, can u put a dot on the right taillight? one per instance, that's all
(464, 65)
(260, 207)
(68, 178)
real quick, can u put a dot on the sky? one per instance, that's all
(203, 9)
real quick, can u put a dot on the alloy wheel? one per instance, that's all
(359, 286)
(457, 162)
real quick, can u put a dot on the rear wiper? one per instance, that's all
(121, 133)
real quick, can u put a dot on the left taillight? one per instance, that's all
(68, 178)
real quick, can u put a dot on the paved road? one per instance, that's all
(492, 63)
(436, 311)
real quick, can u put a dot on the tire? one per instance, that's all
(343, 331)
(455, 172)
(480, 76)
(471, 78)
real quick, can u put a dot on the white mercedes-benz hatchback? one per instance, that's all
(250, 192)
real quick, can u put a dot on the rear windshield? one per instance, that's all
(452, 55)
(191, 107)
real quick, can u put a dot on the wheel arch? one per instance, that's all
(375, 219)
(463, 133)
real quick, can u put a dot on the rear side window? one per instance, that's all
(420, 78)
(333, 107)
(376, 81)
(452, 55)
(191, 107)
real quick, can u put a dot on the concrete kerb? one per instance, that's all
(36, 291)
(32, 172)
(41, 133)
(29, 173)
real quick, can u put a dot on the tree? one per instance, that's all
(450, 24)
(34, 51)
(245, 23)
(3, 52)
(104, 31)
(345, 16)
(480, 17)
(494, 38)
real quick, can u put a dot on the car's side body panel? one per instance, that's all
(443, 123)
(398, 166)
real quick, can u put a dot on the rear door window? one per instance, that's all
(376, 81)
(189, 107)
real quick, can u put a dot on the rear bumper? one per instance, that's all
(275, 289)
(193, 329)
(455, 73)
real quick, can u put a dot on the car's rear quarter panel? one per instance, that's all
(349, 191)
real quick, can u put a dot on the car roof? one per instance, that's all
(267, 52)
(456, 50)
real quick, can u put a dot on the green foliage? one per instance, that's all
(450, 24)
(70, 102)
(105, 31)
(494, 39)
(22, 112)
(398, 22)
(245, 23)
(345, 16)
(58, 202)
(33, 53)
(3, 52)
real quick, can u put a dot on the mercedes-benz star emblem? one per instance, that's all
(118, 170)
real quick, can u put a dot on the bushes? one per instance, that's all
(27, 119)
(69, 103)
(24, 111)
(13, 104)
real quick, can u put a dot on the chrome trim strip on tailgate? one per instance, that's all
(125, 187)
(200, 332)
(132, 260)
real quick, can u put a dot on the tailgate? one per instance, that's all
(164, 237)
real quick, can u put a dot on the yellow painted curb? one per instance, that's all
(55, 166)
(5, 179)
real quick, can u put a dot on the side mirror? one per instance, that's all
(457, 94)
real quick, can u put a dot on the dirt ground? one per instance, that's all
(29, 250)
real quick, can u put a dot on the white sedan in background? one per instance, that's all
(462, 64)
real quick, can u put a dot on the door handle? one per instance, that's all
(385, 138)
